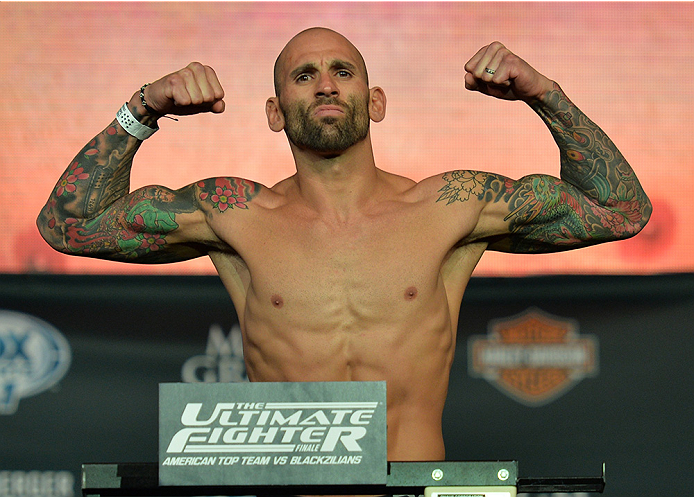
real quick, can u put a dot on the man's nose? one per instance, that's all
(326, 87)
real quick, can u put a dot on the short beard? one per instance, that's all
(327, 134)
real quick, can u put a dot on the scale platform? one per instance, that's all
(431, 479)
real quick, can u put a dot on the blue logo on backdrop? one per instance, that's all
(34, 356)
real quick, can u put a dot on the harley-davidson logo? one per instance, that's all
(533, 357)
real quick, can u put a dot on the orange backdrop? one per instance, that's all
(67, 67)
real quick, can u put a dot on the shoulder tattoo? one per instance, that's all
(462, 185)
(227, 193)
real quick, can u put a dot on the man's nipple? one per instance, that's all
(411, 293)
(277, 301)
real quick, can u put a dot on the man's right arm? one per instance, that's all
(91, 212)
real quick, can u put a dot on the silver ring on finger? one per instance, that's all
(489, 71)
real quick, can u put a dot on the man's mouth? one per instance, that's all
(328, 111)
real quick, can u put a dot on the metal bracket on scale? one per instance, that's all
(433, 479)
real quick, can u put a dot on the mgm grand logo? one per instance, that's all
(533, 357)
(272, 428)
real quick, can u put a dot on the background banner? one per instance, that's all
(68, 67)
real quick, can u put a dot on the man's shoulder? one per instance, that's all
(396, 182)
(456, 186)
(226, 193)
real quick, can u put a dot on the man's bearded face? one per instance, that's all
(328, 134)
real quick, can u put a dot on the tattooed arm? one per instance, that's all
(91, 212)
(598, 197)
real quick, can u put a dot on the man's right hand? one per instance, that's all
(192, 90)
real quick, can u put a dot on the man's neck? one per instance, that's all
(337, 185)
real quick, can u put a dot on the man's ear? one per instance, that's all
(377, 104)
(275, 118)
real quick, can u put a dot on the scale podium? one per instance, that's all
(282, 439)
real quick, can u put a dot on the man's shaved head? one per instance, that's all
(296, 42)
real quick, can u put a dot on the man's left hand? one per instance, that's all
(495, 70)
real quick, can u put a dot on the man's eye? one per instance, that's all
(303, 78)
(344, 74)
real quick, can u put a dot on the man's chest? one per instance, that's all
(374, 262)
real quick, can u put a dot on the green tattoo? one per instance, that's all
(135, 227)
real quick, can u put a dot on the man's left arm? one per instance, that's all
(598, 197)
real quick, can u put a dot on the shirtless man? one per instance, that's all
(344, 271)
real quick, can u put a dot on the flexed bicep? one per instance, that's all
(150, 225)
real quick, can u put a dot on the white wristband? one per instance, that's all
(133, 126)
